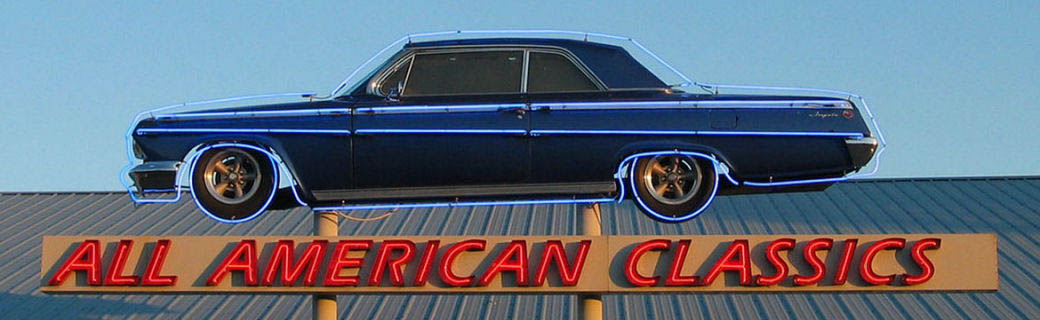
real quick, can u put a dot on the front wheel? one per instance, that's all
(673, 187)
(233, 184)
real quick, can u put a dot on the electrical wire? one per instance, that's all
(367, 219)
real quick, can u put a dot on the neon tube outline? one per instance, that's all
(145, 131)
(866, 108)
(445, 131)
(694, 104)
(706, 133)
(631, 161)
(151, 112)
(706, 86)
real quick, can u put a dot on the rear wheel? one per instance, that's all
(233, 184)
(673, 187)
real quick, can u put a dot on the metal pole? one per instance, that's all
(326, 224)
(591, 304)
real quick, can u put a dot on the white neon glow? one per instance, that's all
(144, 131)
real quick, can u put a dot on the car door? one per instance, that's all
(556, 79)
(455, 117)
(579, 127)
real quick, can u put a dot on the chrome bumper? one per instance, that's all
(155, 176)
(861, 150)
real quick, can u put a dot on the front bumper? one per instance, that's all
(155, 176)
(861, 150)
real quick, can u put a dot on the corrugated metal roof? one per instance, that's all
(1005, 206)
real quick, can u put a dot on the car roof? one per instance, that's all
(611, 64)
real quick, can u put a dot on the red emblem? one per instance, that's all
(847, 114)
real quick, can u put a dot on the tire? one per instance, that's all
(673, 187)
(233, 184)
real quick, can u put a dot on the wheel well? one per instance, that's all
(630, 158)
(629, 163)
(197, 152)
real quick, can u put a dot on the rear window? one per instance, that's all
(479, 72)
(551, 72)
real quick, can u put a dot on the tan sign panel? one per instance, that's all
(518, 264)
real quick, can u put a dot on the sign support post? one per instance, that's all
(326, 224)
(591, 304)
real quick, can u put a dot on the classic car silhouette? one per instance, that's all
(483, 121)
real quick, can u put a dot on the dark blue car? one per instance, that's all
(503, 121)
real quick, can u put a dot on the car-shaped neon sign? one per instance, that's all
(565, 117)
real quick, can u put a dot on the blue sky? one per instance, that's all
(954, 84)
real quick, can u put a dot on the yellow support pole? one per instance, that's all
(591, 304)
(326, 224)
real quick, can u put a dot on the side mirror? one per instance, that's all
(395, 93)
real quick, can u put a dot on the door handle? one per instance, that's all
(519, 111)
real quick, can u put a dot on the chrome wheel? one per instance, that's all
(232, 176)
(672, 179)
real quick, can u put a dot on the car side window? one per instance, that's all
(395, 77)
(475, 72)
(551, 72)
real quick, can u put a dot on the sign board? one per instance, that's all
(518, 264)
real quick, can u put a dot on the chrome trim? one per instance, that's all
(694, 133)
(862, 103)
(255, 114)
(525, 71)
(864, 140)
(153, 166)
(861, 150)
(373, 83)
(435, 108)
(373, 87)
(445, 131)
(709, 104)
(145, 131)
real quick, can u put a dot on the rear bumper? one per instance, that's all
(155, 176)
(861, 150)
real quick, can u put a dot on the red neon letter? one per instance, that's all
(819, 269)
(927, 269)
(282, 257)
(396, 266)
(87, 257)
(569, 272)
(633, 261)
(242, 258)
(866, 267)
(423, 272)
(114, 276)
(153, 273)
(674, 278)
(454, 250)
(846, 262)
(736, 258)
(340, 261)
(773, 255)
(513, 258)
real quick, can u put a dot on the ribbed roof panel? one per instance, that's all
(1005, 206)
